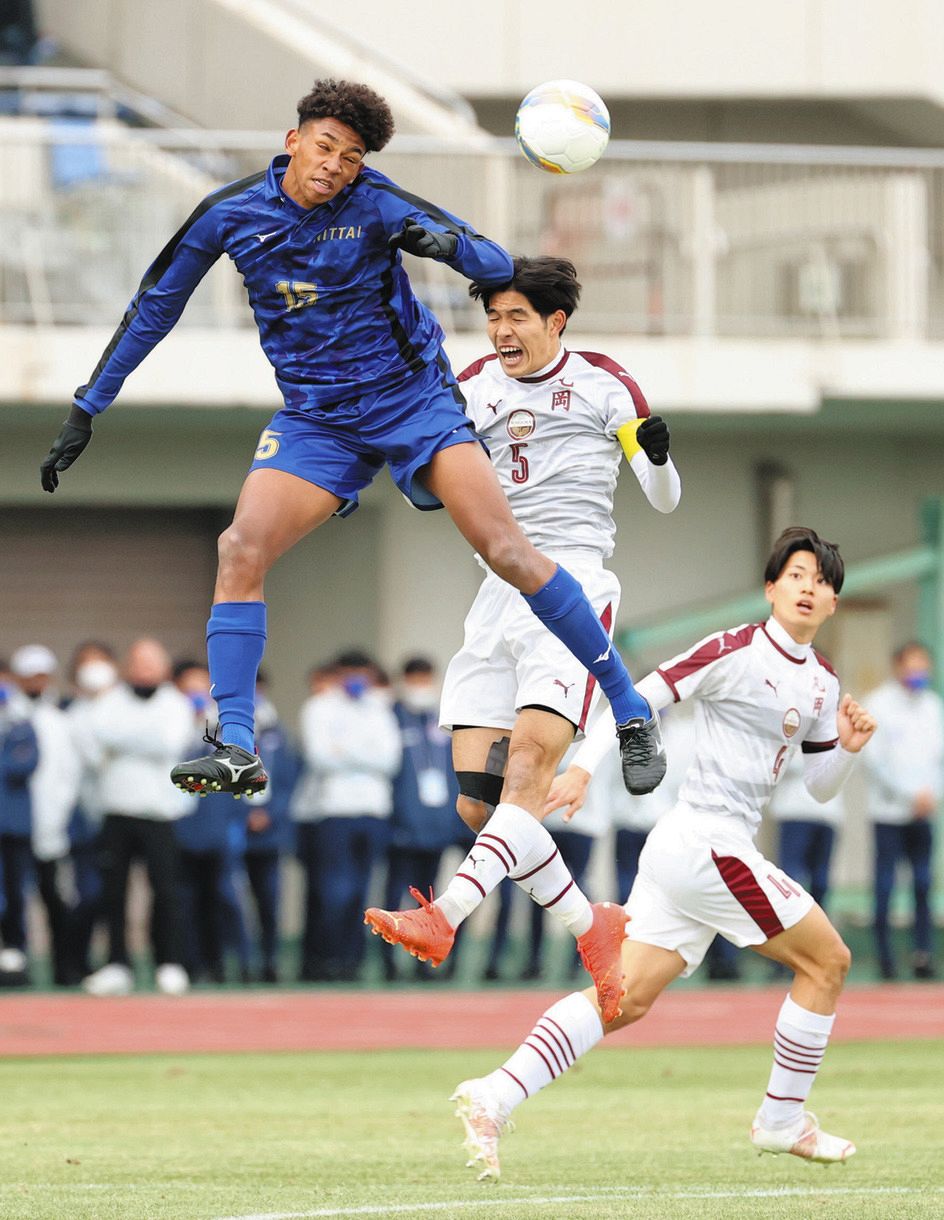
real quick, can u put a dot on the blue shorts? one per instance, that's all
(341, 447)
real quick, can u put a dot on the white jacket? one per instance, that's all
(54, 785)
(352, 752)
(140, 740)
(906, 754)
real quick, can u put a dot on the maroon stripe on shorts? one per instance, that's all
(743, 885)
(478, 886)
(606, 618)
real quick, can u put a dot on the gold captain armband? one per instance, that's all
(627, 438)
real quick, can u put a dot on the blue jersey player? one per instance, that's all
(359, 361)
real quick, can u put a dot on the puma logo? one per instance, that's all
(565, 687)
(767, 682)
(493, 406)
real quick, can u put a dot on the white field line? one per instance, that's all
(628, 1193)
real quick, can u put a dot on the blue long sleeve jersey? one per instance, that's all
(335, 310)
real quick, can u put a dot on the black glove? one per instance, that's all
(424, 243)
(653, 437)
(74, 435)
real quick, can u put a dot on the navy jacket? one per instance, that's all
(413, 823)
(19, 757)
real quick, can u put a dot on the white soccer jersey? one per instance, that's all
(759, 695)
(552, 439)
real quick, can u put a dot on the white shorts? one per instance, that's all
(509, 659)
(700, 874)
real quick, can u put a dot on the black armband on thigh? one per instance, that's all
(481, 786)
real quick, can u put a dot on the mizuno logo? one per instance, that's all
(236, 772)
(604, 656)
(261, 237)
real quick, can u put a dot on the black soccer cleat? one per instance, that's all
(228, 769)
(642, 752)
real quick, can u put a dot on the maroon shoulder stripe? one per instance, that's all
(744, 886)
(476, 367)
(713, 649)
(600, 361)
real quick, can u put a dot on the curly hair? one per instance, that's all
(356, 105)
(548, 283)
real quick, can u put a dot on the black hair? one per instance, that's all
(183, 665)
(800, 538)
(356, 105)
(417, 665)
(548, 283)
(353, 658)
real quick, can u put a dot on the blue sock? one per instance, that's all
(562, 607)
(236, 636)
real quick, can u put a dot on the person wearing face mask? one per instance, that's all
(34, 839)
(906, 771)
(351, 749)
(94, 670)
(139, 726)
(425, 790)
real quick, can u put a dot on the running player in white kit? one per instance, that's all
(762, 691)
(557, 424)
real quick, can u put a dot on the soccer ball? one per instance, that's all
(562, 126)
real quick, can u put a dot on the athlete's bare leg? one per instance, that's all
(647, 971)
(536, 745)
(815, 952)
(463, 478)
(274, 511)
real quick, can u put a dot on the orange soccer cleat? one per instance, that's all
(424, 932)
(600, 951)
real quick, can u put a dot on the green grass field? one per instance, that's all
(643, 1134)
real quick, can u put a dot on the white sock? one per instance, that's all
(513, 841)
(568, 1029)
(800, 1040)
(551, 885)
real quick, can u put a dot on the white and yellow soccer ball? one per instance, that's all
(562, 126)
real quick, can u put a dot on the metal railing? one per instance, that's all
(668, 239)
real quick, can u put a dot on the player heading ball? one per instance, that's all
(317, 237)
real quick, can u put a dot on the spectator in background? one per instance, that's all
(425, 788)
(141, 726)
(269, 832)
(93, 670)
(906, 779)
(34, 840)
(350, 742)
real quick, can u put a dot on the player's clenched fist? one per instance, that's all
(74, 435)
(424, 243)
(855, 725)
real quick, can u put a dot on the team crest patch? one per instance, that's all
(560, 398)
(791, 722)
(521, 423)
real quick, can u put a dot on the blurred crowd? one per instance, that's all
(362, 800)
